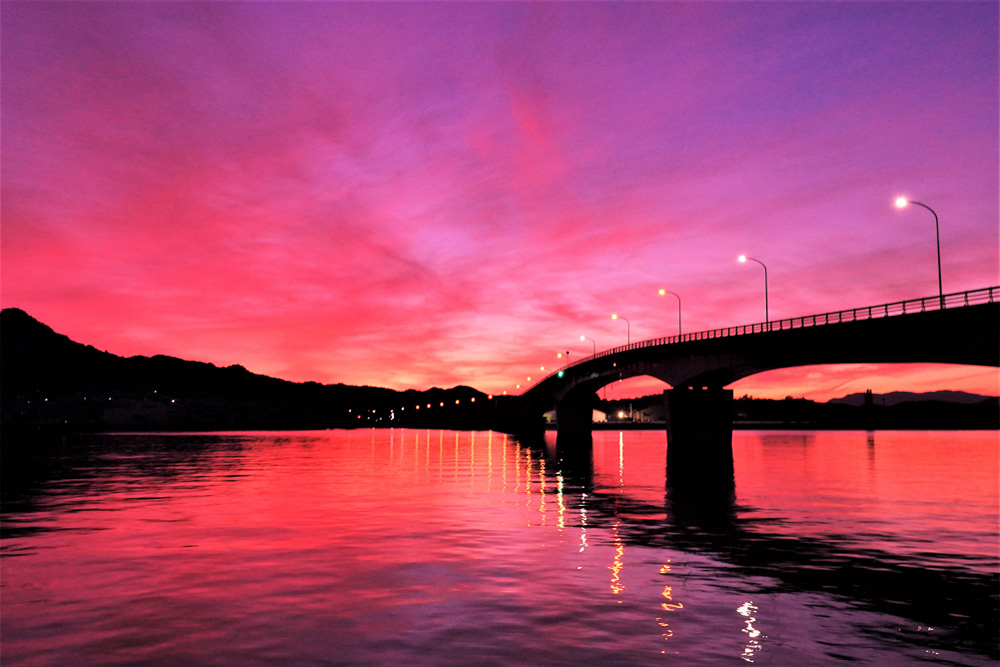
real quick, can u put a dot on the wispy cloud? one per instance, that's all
(430, 194)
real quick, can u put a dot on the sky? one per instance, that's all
(411, 195)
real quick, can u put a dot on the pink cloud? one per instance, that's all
(417, 195)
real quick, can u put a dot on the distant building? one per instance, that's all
(598, 416)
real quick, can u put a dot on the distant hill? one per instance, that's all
(897, 397)
(901, 410)
(48, 379)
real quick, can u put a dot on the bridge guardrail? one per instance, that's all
(911, 306)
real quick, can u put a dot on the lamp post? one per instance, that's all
(628, 327)
(594, 343)
(767, 315)
(664, 292)
(901, 202)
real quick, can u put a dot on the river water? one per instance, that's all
(406, 547)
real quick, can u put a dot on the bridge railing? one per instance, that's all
(911, 306)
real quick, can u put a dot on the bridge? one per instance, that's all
(959, 328)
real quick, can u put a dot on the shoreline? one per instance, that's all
(35, 430)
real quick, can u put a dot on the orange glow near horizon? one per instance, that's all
(822, 383)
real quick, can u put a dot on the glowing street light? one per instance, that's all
(767, 316)
(901, 202)
(664, 292)
(594, 343)
(628, 325)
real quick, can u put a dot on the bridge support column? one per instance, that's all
(699, 435)
(574, 419)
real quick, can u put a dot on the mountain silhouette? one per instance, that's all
(897, 397)
(48, 379)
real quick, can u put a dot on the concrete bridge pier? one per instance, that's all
(699, 435)
(574, 417)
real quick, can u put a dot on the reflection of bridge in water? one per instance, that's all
(960, 328)
(708, 520)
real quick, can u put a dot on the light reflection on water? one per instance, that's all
(436, 547)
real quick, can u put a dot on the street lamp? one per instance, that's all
(901, 202)
(767, 316)
(628, 327)
(594, 343)
(664, 292)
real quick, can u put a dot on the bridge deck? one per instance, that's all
(894, 309)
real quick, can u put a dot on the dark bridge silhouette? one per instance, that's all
(960, 328)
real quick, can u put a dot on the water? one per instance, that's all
(444, 548)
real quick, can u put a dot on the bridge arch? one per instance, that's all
(962, 328)
(913, 332)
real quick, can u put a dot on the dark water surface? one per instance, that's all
(413, 547)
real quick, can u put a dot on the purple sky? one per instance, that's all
(410, 195)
